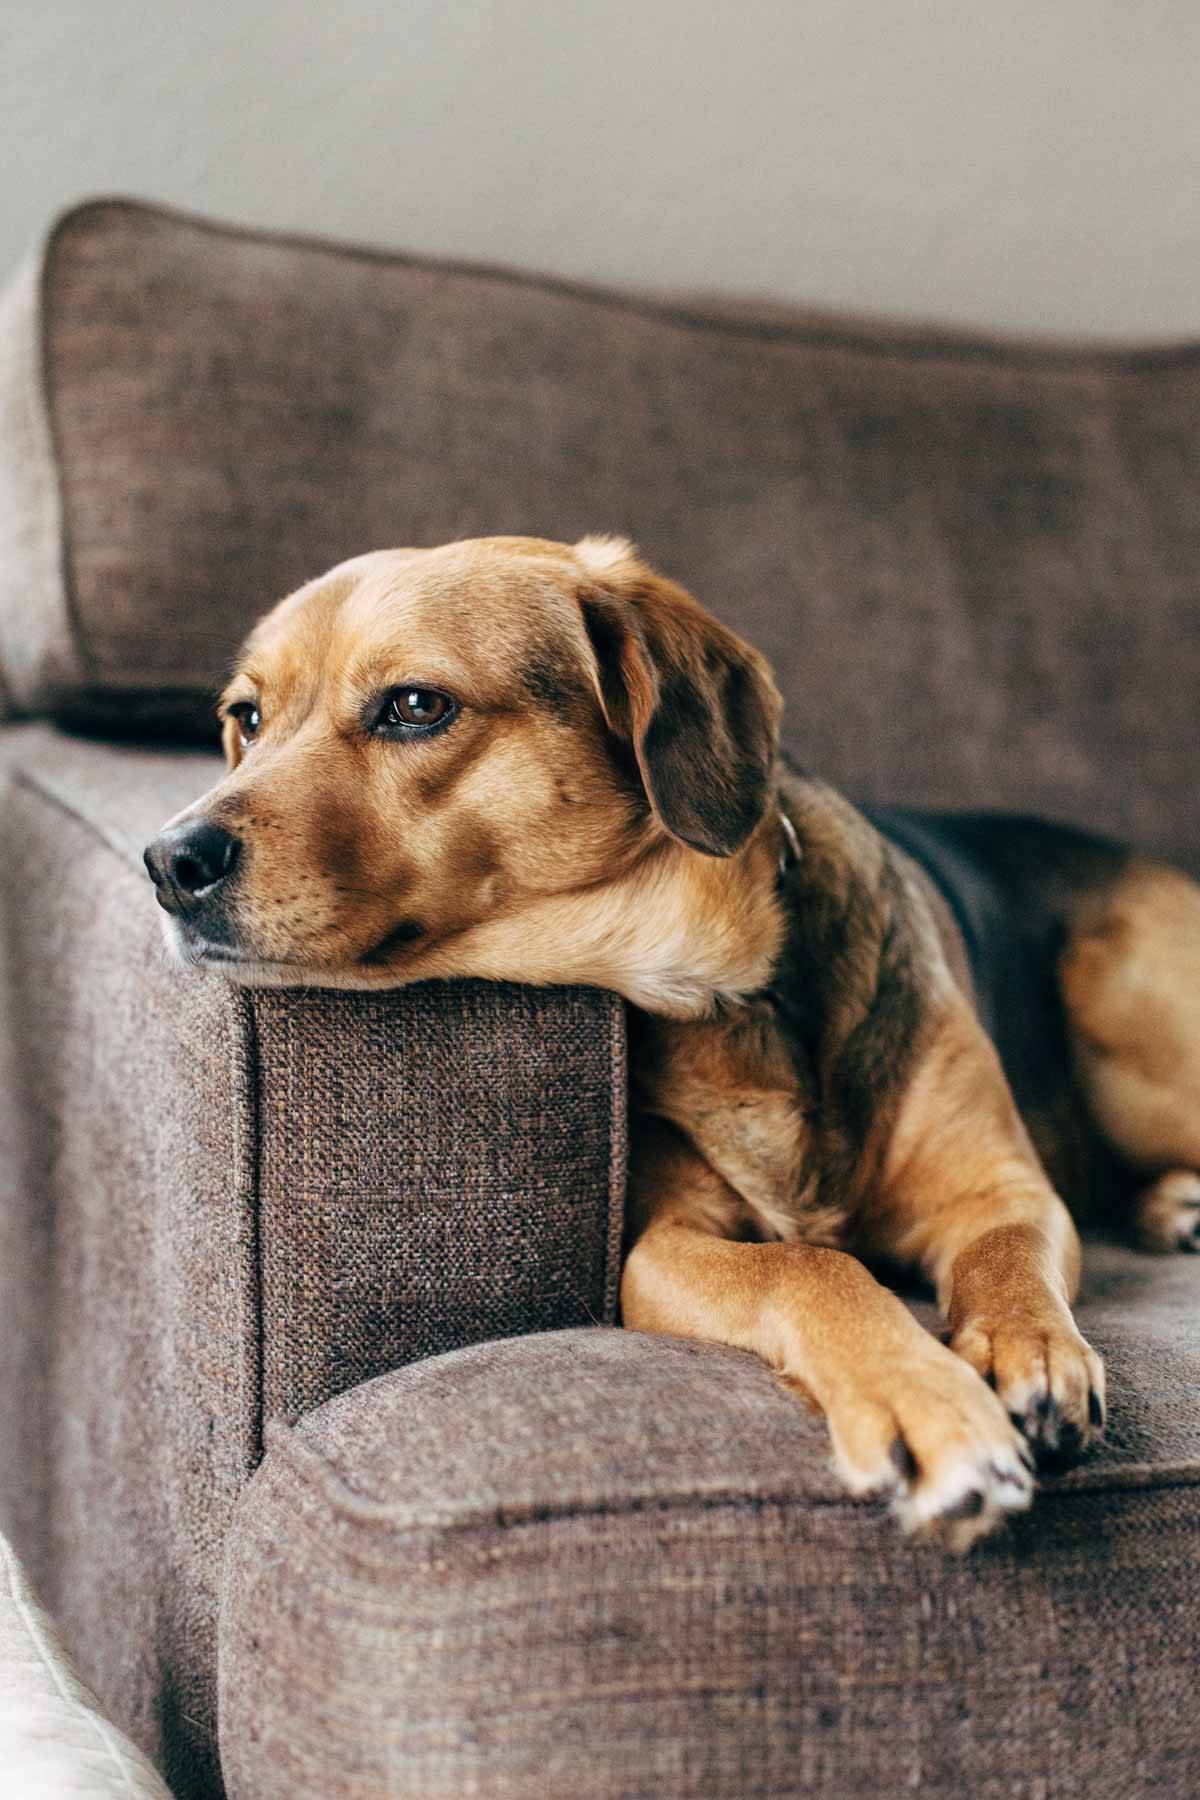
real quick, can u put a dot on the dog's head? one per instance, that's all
(438, 757)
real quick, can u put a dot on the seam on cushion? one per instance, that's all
(47, 794)
(47, 790)
(618, 1154)
(1122, 1478)
(284, 1442)
(247, 1175)
(37, 1637)
(951, 346)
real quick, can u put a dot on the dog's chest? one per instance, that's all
(733, 1088)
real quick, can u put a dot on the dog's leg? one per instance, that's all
(960, 1191)
(907, 1418)
(1130, 979)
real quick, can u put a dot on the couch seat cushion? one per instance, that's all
(598, 1564)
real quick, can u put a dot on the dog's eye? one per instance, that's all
(409, 710)
(248, 719)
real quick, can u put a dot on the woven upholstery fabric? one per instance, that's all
(602, 1566)
(219, 1207)
(973, 564)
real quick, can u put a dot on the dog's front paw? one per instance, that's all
(929, 1435)
(1050, 1380)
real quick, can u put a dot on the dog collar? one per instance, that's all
(789, 850)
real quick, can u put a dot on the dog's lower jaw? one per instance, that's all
(180, 954)
(694, 935)
(244, 969)
(679, 934)
(242, 966)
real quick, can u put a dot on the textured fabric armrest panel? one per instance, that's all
(433, 1168)
(222, 1206)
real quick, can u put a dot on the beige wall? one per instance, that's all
(1035, 166)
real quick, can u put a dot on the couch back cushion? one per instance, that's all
(974, 565)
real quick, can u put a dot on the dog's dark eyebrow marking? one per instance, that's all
(551, 682)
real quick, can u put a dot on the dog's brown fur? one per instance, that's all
(811, 1078)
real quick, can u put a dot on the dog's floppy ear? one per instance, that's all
(695, 704)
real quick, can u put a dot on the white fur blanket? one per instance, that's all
(55, 1743)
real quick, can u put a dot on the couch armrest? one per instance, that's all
(222, 1206)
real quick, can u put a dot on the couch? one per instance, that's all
(317, 1436)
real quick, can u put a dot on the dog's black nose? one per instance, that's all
(186, 862)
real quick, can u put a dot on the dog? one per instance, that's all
(855, 1040)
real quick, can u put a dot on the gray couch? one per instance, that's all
(317, 1436)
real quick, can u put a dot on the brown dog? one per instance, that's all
(513, 759)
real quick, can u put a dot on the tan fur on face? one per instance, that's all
(519, 839)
